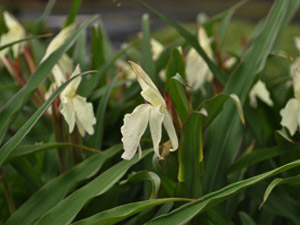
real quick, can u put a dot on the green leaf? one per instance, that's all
(178, 96)
(113, 216)
(100, 116)
(26, 150)
(55, 190)
(185, 213)
(175, 65)
(193, 41)
(174, 75)
(67, 209)
(217, 219)
(28, 173)
(89, 85)
(147, 62)
(191, 158)
(260, 155)
(24, 39)
(11, 108)
(73, 12)
(214, 106)
(167, 183)
(225, 133)
(279, 181)
(15, 140)
(141, 176)
(246, 219)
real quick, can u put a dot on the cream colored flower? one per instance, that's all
(15, 32)
(153, 112)
(64, 66)
(291, 113)
(126, 71)
(76, 109)
(259, 90)
(156, 48)
(197, 71)
(228, 63)
(297, 42)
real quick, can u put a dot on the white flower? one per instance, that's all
(297, 42)
(64, 66)
(197, 70)
(156, 48)
(126, 70)
(15, 32)
(291, 113)
(75, 109)
(228, 63)
(153, 112)
(259, 90)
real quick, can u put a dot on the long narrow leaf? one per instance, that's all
(66, 210)
(54, 191)
(186, 212)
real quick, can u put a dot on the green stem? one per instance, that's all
(9, 198)
(62, 153)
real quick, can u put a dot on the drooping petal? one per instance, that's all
(205, 42)
(134, 127)
(155, 122)
(290, 115)
(70, 90)
(156, 48)
(295, 72)
(59, 39)
(168, 124)
(197, 71)
(84, 115)
(297, 43)
(15, 32)
(260, 90)
(66, 109)
(142, 77)
(66, 64)
(58, 75)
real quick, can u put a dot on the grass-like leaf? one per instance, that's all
(193, 41)
(66, 210)
(55, 190)
(112, 216)
(185, 213)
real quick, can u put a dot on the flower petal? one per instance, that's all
(295, 72)
(197, 71)
(66, 109)
(15, 32)
(84, 115)
(134, 127)
(168, 124)
(143, 79)
(260, 90)
(297, 42)
(290, 115)
(156, 48)
(153, 97)
(70, 90)
(204, 42)
(155, 122)
(59, 39)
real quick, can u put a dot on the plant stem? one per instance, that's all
(9, 198)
